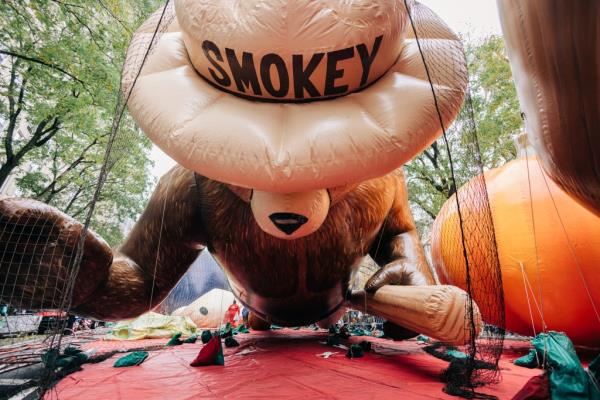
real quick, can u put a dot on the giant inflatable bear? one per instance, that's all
(290, 121)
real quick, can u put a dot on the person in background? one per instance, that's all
(245, 313)
(231, 314)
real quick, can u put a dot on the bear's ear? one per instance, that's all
(339, 192)
(243, 193)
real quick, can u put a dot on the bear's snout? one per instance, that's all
(290, 215)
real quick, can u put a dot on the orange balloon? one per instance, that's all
(548, 247)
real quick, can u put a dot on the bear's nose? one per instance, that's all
(288, 223)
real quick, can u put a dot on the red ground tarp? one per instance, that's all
(281, 364)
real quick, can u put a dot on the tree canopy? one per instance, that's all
(494, 109)
(60, 64)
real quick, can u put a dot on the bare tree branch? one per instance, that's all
(47, 134)
(108, 10)
(41, 62)
(423, 207)
(66, 4)
(75, 197)
(51, 187)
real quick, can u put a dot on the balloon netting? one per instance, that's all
(460, 156)
(32, 242)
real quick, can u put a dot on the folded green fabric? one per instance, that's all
(231, 342)
(175, 341)
(72, 357)
(240, 329)
(131, 359)
(191, 339)
(71, 351)
(360, 332)
(529, 360)
(205, 336)
(423, 338)
(355, 351)
(333, 340)
(366, 346)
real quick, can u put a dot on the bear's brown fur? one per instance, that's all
(289, 281)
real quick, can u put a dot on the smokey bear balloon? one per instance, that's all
(289, 121)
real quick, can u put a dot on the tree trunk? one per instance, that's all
(5, 171)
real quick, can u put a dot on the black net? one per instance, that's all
(42, 252)
(455, 161)
(41, 256)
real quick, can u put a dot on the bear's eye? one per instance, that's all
(242, 193)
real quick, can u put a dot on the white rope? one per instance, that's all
(537, 258)
(162, 221)
(525, 286)
(571, 248)
(222, 312)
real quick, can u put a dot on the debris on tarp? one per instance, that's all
(327, 354)
(231, 342)
(131, 359)
(246, 352)
(423, 339)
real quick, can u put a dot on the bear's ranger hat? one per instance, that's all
(294, 95)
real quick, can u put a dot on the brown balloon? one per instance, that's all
(289, 196)
(554, 51)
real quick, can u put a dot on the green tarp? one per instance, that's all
(568, 379)
(132, 359)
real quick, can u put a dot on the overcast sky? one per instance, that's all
(477, 18)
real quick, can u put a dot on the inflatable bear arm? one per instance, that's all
(39, 247)
(398, 250)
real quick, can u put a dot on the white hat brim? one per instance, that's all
(290, 147)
